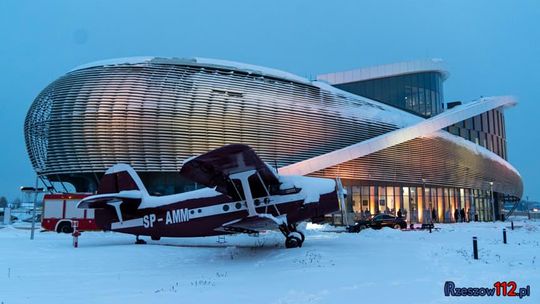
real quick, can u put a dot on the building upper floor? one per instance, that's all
(417, 87)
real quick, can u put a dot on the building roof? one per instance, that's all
(233, 65)
(387, 70)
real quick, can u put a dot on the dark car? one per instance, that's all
(379, 221)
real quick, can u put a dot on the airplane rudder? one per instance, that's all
(120, 177)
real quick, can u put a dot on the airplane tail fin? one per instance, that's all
(121, 177)
(119, 184)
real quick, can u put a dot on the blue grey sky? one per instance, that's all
(490, 48)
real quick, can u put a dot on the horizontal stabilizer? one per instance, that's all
(102, 200)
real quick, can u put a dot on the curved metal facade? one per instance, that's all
(154, 114)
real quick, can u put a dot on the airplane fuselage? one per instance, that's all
(207, 216)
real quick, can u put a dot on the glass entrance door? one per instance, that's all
(405, 210)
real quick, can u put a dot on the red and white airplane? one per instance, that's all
(243, 195)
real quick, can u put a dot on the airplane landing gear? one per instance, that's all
(293, 237)
(139, 241)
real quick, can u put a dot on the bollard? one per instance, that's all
(475, 247)
(512, 222)
(504, 235)
(430, 226)
(76, 233)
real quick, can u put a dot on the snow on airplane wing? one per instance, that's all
(252, 225)
(213, 169)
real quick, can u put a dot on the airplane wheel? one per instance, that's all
(293, 242)
(155, 238)
(302, 236)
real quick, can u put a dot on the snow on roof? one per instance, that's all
(477, 149)
(114, 61)
(386, 70)
(251, 68)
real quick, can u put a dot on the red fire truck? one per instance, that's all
(60, 209)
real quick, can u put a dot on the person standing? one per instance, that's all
(456, 215)
(434, 215)
(399, 213)
(462, 214)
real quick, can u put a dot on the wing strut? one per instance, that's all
(267, 194)
(243, 178)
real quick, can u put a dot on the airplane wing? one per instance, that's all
(253, 225)
(213, 169)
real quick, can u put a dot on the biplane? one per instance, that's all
(242, 194)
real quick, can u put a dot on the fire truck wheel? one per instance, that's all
(64, 227)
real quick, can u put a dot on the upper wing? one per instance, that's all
(213, 169)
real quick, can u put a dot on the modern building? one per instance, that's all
(155, 112)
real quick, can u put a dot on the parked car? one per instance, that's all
(379, 221)
(29, 220)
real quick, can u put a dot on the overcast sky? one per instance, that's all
(490, 48)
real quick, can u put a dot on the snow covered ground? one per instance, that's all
(372, 266)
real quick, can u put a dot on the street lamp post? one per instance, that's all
(492, 201)
(34, 190)
(424, 200)
(528, 209)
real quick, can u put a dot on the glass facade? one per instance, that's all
(418, 93)
(486, 129)
(420, 204)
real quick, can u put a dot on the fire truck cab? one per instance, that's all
(59, 210)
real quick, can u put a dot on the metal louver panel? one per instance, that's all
(155, 114)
